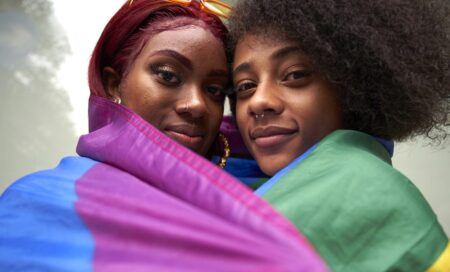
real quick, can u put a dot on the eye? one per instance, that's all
(215, 91)
(297, 75)
(244, 87)
(166, 75)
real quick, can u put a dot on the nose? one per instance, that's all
(266, 100)
(192, 102)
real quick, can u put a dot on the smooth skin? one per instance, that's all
(283, 106)
(176, 84)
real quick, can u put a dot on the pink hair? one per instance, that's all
(133, 25)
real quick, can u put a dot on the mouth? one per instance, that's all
(186, 134)
(266, 137)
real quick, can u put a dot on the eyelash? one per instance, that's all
(302, 73)
(162, 72)
(218, 92)
(248, 85)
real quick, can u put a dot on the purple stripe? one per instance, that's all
(175, 209)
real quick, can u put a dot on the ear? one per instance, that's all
(111, 81)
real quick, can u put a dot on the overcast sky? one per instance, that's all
(83, 21)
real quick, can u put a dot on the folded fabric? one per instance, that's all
(137, 201)
(357, 210)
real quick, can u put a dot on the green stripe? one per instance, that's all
(432, 244)
(359, 212)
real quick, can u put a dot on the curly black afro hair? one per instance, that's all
(387, 59)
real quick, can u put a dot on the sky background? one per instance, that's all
(83, 22)
(61, 49)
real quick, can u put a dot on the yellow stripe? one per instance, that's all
(442, 264)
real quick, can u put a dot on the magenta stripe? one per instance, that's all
(174, 207)
(215, 176)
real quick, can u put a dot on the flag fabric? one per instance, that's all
(134, 200)
(357, 210)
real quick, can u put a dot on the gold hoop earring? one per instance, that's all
(226, 151)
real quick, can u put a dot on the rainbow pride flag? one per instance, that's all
(137, 201)
(357, 210)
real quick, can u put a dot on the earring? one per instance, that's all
(226, 151)
(117, 100)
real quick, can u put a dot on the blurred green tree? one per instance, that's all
(35, 127)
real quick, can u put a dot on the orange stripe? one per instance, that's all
(442, 264)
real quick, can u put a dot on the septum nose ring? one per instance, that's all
(259, 116)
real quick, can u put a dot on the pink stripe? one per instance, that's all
(166, 187)
(137, 227)
(238, 192)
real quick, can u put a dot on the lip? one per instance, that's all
(266, 137)
(186, 134)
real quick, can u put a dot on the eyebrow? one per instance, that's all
(180, 58)
(279, 54)
(241, 68)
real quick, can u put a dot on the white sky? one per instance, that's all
(83, 21)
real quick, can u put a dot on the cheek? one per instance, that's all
(152, 104)
(242, 120)
(331, 115)
(239, 115)
(318, 119)
(216, 116)
(213, 117)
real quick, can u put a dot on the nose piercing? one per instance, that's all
(259, 116)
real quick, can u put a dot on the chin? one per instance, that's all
(204, 150)
(269, 169)
(271, 166)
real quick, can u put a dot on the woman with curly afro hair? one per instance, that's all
(322, 89)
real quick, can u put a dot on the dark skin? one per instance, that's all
(283, 106)
(176, 84)
(387, 60)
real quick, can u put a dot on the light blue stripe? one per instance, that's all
(39, 227)
(272, 181)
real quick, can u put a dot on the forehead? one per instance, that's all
(267, 39)
(185, 38)
(262, 48)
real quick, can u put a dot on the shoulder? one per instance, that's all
(350, 167)
(38, 218)
(346, 195)
(52, 183)
(357, 156)
(348, 159)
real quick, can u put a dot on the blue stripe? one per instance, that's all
(272, 181)
(388, 144)
(40, 229)
(246, 170)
